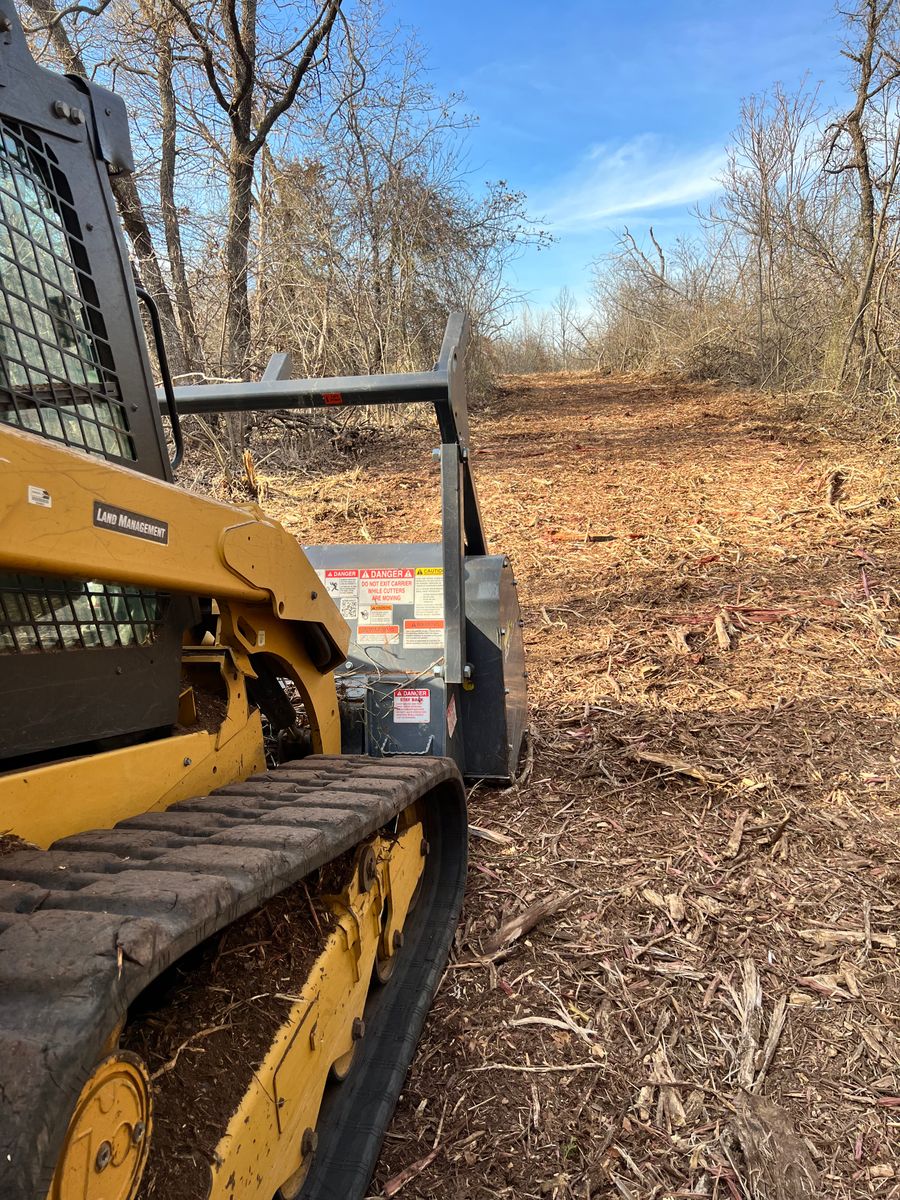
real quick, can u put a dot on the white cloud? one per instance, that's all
(639, 175)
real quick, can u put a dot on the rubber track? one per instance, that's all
(86, 925)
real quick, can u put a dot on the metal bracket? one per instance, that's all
(279, 366)
(111, 125)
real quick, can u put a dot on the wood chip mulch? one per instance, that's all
(677, 974)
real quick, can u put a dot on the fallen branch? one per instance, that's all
(737, 835)
(848, 937)
(749, 1006)
(776, 1025)
(488, 835)
(723, 637)
(394, 1184)
(514, 927)
(679, 765)
(584, 1066)
(195, 1037)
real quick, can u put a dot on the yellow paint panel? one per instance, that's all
(95, 792)
(212, 549)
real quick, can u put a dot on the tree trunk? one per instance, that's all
(146, 265)
(858, 334)
(236, 325)
(236, 341)
(193, 350)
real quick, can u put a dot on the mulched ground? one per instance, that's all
(709, 582)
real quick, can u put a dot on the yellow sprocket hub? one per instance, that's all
(106, 1143)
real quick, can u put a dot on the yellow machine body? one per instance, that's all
(265, 591)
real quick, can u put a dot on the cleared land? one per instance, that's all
(709, 582)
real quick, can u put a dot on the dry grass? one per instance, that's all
(709, 586)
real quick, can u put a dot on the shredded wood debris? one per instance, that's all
(714, 1013)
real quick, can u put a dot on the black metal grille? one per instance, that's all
(39, 613)
(57, 376)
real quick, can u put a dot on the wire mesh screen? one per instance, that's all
(57, 376)
(37, 613)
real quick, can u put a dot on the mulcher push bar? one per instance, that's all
(438, 387)
(264, 394)
(445, 388)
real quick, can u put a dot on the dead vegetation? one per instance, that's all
(677, 973)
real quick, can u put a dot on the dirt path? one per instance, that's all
(714, 782)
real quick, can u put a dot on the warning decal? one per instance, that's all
(387, 585)
(376, 614)
(425, 634)
(412, 706)
(39, 496)
(340, 583)
(377, 635)
(429, 592)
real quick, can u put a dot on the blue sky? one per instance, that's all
(609, 113)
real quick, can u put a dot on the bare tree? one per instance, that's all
(792, 278)
(54, 28)
(876, 71)
(370, 241)
(254, 83)
(161, 25)
(303, 184)
(565, 309)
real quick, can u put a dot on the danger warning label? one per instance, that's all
(340, 583)
(423, 634)
(387, 585)
(412, 706)
(343, 588)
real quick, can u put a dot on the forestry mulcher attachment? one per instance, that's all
(209, 737)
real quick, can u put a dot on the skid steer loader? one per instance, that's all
(206, 729)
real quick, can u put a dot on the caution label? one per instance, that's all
(412, 706)
(387, 585)
(429, 592)
(423, 634)
(378, 635)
